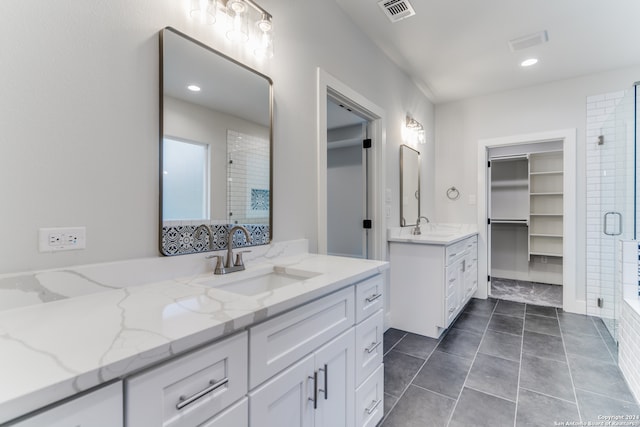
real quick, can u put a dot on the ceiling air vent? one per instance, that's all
(528, 41)
(396, 10)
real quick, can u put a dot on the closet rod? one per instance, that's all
(509, 157)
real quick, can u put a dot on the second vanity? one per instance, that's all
(433, 275)
(295, 337)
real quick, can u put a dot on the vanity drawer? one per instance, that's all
(369, 348)
(454, 252)
(189, 389)
(369, 297)
(370, 400)
(283, 340)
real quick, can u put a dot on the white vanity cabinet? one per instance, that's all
(315, 365)
(99, 408)
(431, 283)
(316, 391)
(190, 390)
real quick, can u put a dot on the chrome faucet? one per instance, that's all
(204, 227)
(229, 266)
(416, 231)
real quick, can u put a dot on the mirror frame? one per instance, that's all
(403, 147)
(161, 137)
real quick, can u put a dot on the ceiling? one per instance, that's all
(455, 49)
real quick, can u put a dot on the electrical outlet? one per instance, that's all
(62, 239)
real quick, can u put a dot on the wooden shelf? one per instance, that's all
(546, 180)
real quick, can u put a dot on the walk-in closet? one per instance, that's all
(526, 222)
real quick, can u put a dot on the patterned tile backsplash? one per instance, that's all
(180, 239)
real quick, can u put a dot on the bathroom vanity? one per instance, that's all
(433, 275)
(296, 337)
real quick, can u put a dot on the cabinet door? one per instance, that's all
(334, 364)
(101, 408)
(285, 400)
(236, 415)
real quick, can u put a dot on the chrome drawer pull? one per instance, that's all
(373, 406)
(373, 297)
(451, 310)
(373, 346)
(184, 401)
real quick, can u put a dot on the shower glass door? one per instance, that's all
(616, 145)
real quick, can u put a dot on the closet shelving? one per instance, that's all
(545, 204)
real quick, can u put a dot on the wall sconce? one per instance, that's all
(244, 21)
(414, 131)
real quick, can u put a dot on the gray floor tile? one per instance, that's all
(444, 373)
(508, 324)
(460, 342)
(542, 325)
(479, 410)
(599, 377)
(541, 310)
(608, 339)
(389, 401)
(391, 338)
(536, 410)
(576, 324)
(546, 376)
(416, 345)
(510, 308)
(495, 376)
(588, 346)
(399, 369)
(593, 405)
(506, 346)
(543, 345)
(482, 307)
(471, 322)
(420, 408)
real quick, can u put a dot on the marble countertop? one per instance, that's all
(56, 349)
(432, 234)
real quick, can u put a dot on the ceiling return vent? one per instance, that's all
(527, 41)
(396, 10)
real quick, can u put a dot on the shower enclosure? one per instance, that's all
(611, 198)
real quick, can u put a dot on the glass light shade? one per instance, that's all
(264, 43)
(239, 22)
(204, 10)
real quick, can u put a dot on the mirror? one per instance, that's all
(215, 147)
(409, 186)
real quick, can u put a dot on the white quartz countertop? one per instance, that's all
(432, 234)
(56, 349)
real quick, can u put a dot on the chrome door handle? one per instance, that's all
(325, 370)
(315, 389)
(606, 223)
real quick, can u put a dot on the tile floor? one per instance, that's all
(505, 363)
(526, 292)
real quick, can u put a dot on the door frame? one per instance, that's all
(570, 300)
(328, 85)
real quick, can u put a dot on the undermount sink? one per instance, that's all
(260, 281)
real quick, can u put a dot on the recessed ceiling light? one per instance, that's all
(194, 88)
(529, 62)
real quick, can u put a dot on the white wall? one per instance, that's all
(79, 118)
(557, 105)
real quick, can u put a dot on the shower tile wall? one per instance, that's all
(599, 191)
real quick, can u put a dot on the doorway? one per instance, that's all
(368, 233)
(347, 186)
(542, 204)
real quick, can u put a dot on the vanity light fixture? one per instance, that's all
(529, 62)
(204, 10)
(243, 21)
(414, 131)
